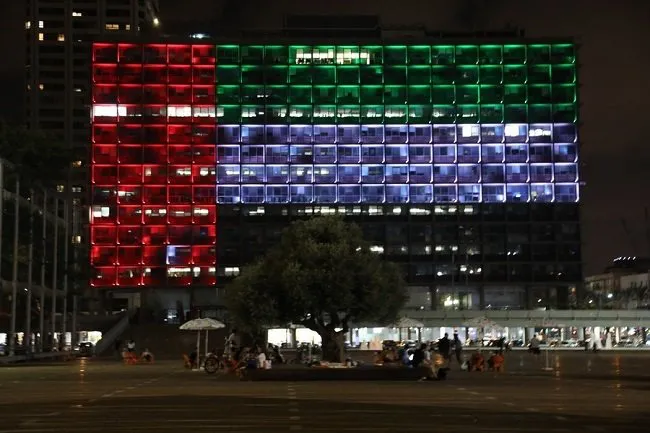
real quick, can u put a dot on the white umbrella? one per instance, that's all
(199, 325)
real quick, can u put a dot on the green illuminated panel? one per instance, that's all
(393, 84)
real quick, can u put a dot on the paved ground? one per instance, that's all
(585, 393)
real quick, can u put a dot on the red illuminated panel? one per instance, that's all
(153, 165)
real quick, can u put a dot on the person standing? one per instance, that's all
(444, 347)
(458, 348)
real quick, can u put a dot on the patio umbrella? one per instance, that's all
(204, 324)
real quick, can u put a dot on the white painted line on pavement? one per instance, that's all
(560, 418)
(294, 418)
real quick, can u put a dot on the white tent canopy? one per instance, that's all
(407, 322)
(482, 322)
(199, 325)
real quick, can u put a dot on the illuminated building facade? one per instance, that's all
(459, 161)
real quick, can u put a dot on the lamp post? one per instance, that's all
(27, 336)
(14, 279)
(66, 251)
(454, 250)
(41, 313)
(55, 266)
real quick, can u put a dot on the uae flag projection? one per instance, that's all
(181, 129)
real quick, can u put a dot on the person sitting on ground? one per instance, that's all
(193, 358)
(419, 356)
(130, 346)
(495, 362)
(476, 362)
(261, 359)
(146, 356)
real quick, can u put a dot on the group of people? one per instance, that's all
(129, 354)
(237, 357)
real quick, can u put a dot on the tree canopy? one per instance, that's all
(35, 156)
(321, 275)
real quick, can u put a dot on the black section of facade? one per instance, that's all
(529, 253)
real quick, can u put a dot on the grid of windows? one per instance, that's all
(153, 214)
(178, 128)
(396, 124)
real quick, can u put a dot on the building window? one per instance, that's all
(60, 37)
(77, 14)
(127, 27)
(112, 26)
(28, 25)
(40, 24)
(40, 36)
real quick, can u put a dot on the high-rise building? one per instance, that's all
(59, 34)
(58, 38)
(458, 159)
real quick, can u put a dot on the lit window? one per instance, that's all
(76, 164)
(112, 26)
(109, 110)
(60, 188)
(127, 27)
(231, 272)
(101, 212)
(180, 111)
(156, 22)
(28, 25)
(40, 24)
(204, 112)
(77, 14)
(76, 239)
(40, 36)
(40, 86)
(60, 37)
(76, 189)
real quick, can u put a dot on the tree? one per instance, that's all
(321, 275)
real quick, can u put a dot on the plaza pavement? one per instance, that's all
(585, 392)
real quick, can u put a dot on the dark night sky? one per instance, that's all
(615, 89)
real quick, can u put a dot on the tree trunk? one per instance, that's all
(333, 344)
